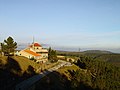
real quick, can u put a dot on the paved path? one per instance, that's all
(29, 82)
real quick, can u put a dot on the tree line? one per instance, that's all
(96, 74)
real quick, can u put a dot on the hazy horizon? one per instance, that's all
(85, 24)
(65, 48)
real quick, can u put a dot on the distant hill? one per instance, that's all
(106, 56)
(92, 53)
(98, 51)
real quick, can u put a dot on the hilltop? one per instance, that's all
(16, 69)
(88, 53)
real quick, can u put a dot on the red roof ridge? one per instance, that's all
(37, 44)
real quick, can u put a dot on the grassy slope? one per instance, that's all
(13, 71)
(16, 70)
(22, 62)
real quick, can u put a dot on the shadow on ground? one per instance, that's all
(57, 81)
(11, 74)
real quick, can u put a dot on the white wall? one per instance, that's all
(25, 54)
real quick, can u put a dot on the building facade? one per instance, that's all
(36, 51)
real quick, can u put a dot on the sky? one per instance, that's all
(93, 24)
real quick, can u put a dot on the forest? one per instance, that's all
(99, 75)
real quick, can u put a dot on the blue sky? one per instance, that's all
(68, 23)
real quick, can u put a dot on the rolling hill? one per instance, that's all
(98, 51)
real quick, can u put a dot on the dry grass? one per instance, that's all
(3, 59)
(24, 63)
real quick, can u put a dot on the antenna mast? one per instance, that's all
(33, 39)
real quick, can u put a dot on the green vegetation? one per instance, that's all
(52, 55)
(98, 75)
(8, 46)
(99, 70)
(66, 70)
(110, 58)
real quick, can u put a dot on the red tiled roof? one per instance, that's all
(37, 44)
(31, 52)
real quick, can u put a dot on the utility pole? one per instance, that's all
(79, 49)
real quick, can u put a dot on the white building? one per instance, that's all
(35, 51)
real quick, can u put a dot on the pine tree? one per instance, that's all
(52, 55)
(49, 53)
(8, 46)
